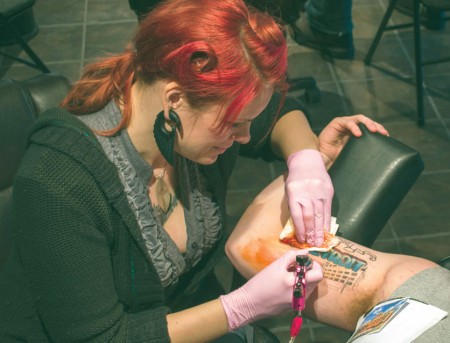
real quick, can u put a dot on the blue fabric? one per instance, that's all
(330, 16)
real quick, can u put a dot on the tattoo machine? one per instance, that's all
(299, 294)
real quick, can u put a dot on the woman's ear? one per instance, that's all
(172, 96)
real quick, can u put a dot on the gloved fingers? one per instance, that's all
(297, 216)
(315, 274)
(309, 220)
(307, 206)
(287, 260)
(267, 293)
(281, 271)
(313, 277)
(327, 215)
(316, 236)
(295, 253)
(282, 265)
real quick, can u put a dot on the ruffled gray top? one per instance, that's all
(201, 212)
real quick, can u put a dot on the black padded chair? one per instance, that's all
(434, 5)
(17, 26)
(20, 104)
(371, 176)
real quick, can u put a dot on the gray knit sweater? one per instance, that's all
(80, 270)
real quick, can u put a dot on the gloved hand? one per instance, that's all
(310, 193)
(269, 292)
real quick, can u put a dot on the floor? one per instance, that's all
(75, 32)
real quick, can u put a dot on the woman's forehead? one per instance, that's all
(254, 108)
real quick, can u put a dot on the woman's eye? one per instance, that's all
(233, 125)
(238, 124)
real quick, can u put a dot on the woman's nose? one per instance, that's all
(242, 135)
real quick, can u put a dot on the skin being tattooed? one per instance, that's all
(345, 264)
(355, 277)
(349, 272)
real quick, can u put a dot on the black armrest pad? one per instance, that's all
(47, 90)
(371, 176)
(21, 102)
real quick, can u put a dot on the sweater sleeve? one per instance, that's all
(259, 145)
(65, 242)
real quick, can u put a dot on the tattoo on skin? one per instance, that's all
(345, 268)
(350, 247)
(345, 265)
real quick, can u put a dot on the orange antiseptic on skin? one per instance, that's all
(259, 254)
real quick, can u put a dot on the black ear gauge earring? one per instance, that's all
(175, 119)
(165, 139)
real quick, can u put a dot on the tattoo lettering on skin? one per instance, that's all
(341, 259)
(354, 249)
(343, 267)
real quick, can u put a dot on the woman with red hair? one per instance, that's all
(121, 194)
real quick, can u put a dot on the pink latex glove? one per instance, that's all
(310, 193)
(269, 292)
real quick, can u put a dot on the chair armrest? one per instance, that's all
(371, 176)
(21, 102)
(47, 90)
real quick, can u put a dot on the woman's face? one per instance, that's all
(202, 141)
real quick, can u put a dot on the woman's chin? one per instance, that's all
(207, 160)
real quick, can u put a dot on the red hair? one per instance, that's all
(216, 50)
